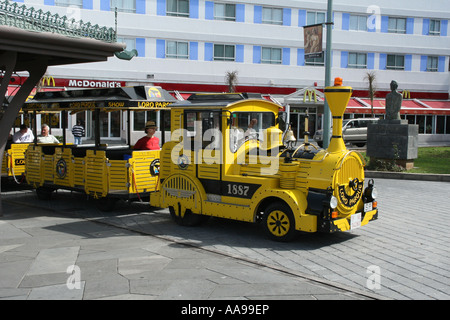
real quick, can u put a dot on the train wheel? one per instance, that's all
(189, 219)
(279, 223)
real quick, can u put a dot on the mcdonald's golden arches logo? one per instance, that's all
(310, 94)
(48, 79)
(406, 94)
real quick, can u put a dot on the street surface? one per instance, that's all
(402, 255)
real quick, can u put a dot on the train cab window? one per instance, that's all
(202, 130)
(249, 125)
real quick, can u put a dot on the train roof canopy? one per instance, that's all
(122, 98)
(215, 100)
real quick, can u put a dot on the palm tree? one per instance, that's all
(231, 80)
(370, 77)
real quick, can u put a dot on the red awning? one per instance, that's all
(409, 106)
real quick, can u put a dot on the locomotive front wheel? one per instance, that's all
(279, 223)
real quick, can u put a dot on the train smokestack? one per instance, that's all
(337, 97)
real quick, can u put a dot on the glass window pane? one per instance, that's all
(277, 15)
(266, 54)
(266, 14)
(229, 51)
(276, 55)
(230, 10)
(182, 48)
(353, 22)
(352, 58)
(171, 48)
(183, 6)
(392, 24)
(219, 50)
(391, 60)
(320, 17)
(401, 25)
(440, 122)
(310, 18)
(361, 59)
(138, 121)
(362, 23)
(172, 5)
(219, 10)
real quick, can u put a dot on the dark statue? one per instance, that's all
(393, 102)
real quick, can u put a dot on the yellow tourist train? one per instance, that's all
(225, 158)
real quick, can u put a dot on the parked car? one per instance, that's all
(353, 130)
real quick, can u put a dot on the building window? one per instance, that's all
(224, 52)
(358, 23)
(69, 3)
(224, 11)
(357, 60)
(315, 17)
(178, 8)
(397, 25)
(123, 5)
(130, 42)
(440, 124)
(432, 64)
(177, 50)
(395, 62)
(435, 28)
(447, 125)
(272, 16)
(271, 56)
(315, 61)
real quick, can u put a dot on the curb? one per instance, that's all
(407, 176)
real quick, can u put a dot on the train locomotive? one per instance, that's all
(213, 167)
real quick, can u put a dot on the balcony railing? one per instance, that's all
(20, 16)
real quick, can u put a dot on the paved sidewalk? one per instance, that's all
(58, 254)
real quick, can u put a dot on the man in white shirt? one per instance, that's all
(24, 135)
(45, 137)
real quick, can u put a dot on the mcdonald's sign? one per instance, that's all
(48, 79)
(310, 94)
(406, 94)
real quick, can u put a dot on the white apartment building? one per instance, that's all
(188, 46)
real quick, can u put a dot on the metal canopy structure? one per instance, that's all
(143, 98)
(124, 98)
(32, 40)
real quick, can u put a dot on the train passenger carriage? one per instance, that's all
(105, 173)
(13, 164)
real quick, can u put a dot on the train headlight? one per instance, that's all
(333, 202)
(374, 193)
